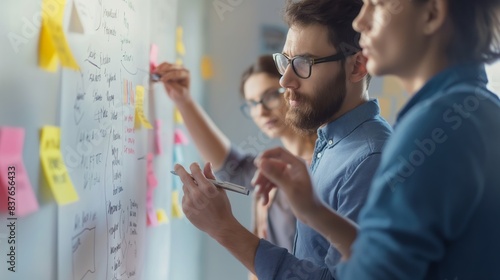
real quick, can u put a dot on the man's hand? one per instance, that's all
(206, 206)
(176, 80)
(279, 168)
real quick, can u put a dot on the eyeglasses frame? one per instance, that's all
(312, 61)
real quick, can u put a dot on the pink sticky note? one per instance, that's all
(180, 138)
(15, 186)
(153, 57)
(158, 147)
(151, 217)
(152, 182)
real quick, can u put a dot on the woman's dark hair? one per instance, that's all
(476, 35)
(264, 64)
(336, 15)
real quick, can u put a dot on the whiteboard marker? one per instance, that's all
(225, 185)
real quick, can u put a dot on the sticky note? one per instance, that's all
(392, 86)
(53, 166)
(385, 107)
(151, 180)
(82, 20)
(151, 218)
(153, 57)
(53, 43)
(207, 71)
(179, 61)
(161, 216)
(47, 56)
(181, 50)
(178, 117)
(140, 116)
(158, 146)
(180, 138)
(15, 188)
(176, 207)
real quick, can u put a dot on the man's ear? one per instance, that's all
(358, 68)
(436, 12)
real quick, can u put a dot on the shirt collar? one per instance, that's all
(462, 73)
(343, 126)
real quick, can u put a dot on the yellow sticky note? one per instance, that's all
(178, 117)
(140, 116)
(178, 61)
(207, 70)
(162, 216)
(179, 41)
(176, 207)
(392, 86)
(385, 107)
(53, 166)
(47, 55)
(52, 30)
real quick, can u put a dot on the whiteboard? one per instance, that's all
(104, 234)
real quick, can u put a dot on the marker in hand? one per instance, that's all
(155, 77)
(225, 185)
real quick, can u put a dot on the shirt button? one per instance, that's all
(330, 142)
(319, 155)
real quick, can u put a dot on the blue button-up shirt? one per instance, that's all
(434, 208)
(346, 156)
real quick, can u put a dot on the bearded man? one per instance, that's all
(326, 81)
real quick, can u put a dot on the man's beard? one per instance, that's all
(317, 110)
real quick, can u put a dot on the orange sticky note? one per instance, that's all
(53, 45)
(180, 138)
(392, 86)
(176, 207)
(161, 216)
(16, 194)
(385, 107)
(140, 116)
(207, 70)
(151, 180)
(53, 166)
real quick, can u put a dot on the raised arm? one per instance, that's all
(212, 144)
(278, 167)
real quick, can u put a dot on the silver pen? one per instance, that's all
(225, 185)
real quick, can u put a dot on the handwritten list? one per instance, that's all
(106, 227)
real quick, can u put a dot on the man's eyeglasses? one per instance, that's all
(270, 100)
(302, 65)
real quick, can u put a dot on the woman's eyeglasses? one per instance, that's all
(270, 100)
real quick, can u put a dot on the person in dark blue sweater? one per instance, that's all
(433, 210)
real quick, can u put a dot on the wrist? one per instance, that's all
(185, 104)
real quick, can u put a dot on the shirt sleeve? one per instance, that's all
(352, 195)
(425, 192)
(238, 168)
(272, 262)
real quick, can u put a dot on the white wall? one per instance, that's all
(233, 43)
(493, 72)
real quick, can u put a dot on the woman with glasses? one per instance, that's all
(433, 211)
(265, 105)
